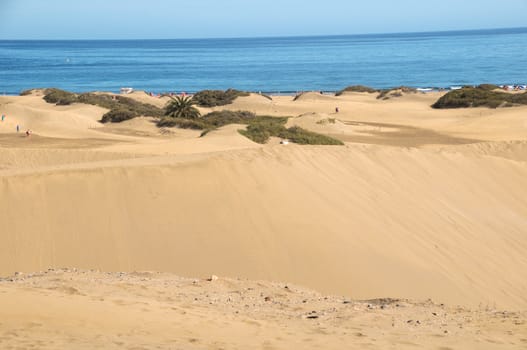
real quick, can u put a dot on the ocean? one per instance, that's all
(270, 65)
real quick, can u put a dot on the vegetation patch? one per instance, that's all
(396, 92)
(121, 108)
(488, 87)
(481, 96)
(259, 128)
(28, 92)
(305, 137)
(357, 88)
(59, 97)
(118, 115)
(214, 98)
(182, 123)
(221, 118)
(262, 128)
(120, 102)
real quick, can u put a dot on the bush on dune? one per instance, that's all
(396, 92)
(120, 102)
(481, 96)
(220, 118)
(356, 88)
(214, 98)
(305, 137)
(118, 115)
(209, 121)
(488, 87)
(27, 92)
(182, 123)
(121, 108)
(59, 97)
(262, 128)
(259, 128)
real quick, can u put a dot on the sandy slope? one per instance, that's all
(360, 221)
(87, 310)
(419, 204)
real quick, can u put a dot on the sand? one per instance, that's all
(143, 310)
(419, 204)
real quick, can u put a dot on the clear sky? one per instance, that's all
(162, 19)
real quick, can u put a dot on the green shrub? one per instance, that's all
(121, 108)
(214, 98)
(120, 102)
(182, 123)
(59, 97)
(488, 87)
(104, 101)
(26, 92)
(479, 97)
(259, 128)
(356, 88)
(304, 137)
(118, 115)
(221, 118)
(262, 128)
(396, 92)
(256, 134)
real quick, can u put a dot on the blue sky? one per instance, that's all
(143, 19)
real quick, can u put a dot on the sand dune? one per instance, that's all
(144, 310)
(364, 222)
(418, 204)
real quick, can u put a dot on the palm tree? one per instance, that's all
(182, 107)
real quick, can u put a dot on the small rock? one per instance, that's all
(267, 298)
(212, 278)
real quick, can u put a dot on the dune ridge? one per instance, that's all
(326, 218)
(418, 204)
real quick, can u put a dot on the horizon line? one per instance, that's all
(480, 30)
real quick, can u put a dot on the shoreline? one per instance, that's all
(422, 89)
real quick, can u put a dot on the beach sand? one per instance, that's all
(418, 204)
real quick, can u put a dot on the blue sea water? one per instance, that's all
(292, 64)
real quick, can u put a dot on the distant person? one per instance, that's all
(337, 110)
(3, 117)
(17, 128)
